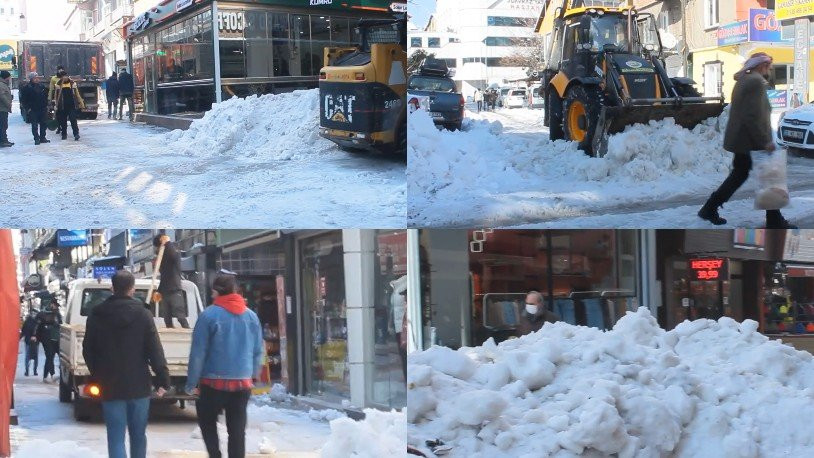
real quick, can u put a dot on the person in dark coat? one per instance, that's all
(68, 102)
(112, 94)
(170, 294)
(126, 89)
(34, 96)
(749, 129)
(535, 314)
(5, 107)
(121, 345)
(32, 347)
(47, 333)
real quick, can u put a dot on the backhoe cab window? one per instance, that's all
(428, 83)
(609, 30)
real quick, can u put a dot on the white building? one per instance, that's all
(11, 22)
(474, 37)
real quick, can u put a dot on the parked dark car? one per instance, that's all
(446, 103)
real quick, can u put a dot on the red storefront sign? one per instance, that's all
(709, 269)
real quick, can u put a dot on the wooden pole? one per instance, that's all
(156, 271)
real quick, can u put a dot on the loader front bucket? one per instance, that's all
(613, 120)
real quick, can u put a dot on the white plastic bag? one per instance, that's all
(772, 189)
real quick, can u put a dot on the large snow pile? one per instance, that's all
(705, 389)
(252, 128)
(380, 434)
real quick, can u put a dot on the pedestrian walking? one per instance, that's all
(226, 355)
(32, 347)
(68, 101)
(112, 94)
(535, 314)
(47, 333)
(479, 99)
(120, 347)
(749, 129)
(170, 294)
(126, 89)
(34, 96)
(5, 107)
(52, 87)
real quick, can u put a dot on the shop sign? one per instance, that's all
(791, 9)
(8, 49)
(764, 26)
(709, 269)
(778, 99)
(398, 7)
(183, 4)
(141, 22)
(801, 46)
(72, 238)
(104, 271)
(736, 32)
(231, 23)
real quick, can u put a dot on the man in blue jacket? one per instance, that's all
(226, 356)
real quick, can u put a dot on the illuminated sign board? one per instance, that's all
(792, 9)
(709, 269)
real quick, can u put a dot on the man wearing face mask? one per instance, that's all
(535, 314)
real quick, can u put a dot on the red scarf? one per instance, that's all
(234, 303)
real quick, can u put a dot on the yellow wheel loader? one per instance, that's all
(363, 89)
(604, 72)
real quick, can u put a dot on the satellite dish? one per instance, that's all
(668, 40)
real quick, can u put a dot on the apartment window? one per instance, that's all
(712, 79)
(504, 21)
(710, 13)
(2, 11)
(433, 42)
(506, 41)
(415, 42)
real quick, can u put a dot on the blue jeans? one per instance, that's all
(130, 415)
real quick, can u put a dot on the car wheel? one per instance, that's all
(81, 410)
(65, 390)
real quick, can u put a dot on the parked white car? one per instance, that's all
(516, 98)
(796, 128)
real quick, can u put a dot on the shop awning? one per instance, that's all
(800, 270)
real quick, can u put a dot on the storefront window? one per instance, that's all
(232, 59)
(341, 30)
(300, 63)
(323, 294)
(258, 47)
(391, 312)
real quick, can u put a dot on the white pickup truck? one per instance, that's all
(86, 293)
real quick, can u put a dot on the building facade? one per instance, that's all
(481, 40)
(186, 55)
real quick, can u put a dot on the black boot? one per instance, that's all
(709, 212)
(775, 220)
(37, 141)
(44, 140)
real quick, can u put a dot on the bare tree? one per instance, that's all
(528, 55)
(416, 58)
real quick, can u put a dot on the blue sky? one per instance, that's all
(420, 11)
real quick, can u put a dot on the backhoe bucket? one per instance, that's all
(613, 120)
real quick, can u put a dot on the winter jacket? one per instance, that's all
(28, 329)
(48, 322)
(5, 97)
(170, 270)
(121, 345)
(227, 342)
(532, 323)
(68, 97)
(34, 97)
(749, 127)
(478, 96)
(52, 87)
(112, 88)
(126, 84)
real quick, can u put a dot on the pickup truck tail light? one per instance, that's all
(93, 390)
(323, 75)
(462, 102)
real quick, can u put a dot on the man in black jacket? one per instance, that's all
(126, 89)
(121, 345)
(112, 94)
(32, 347)
(47, 333)
(170, 293)
(34, 97)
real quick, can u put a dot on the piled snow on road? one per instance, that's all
(252, 128)
(705, 389)
(39, 448)
(505, 170)
(380, 434)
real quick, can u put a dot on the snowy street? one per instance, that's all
(46, 425)
(255, 162)
(502, 170)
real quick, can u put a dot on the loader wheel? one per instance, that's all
(581, 113)
(554, 107)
